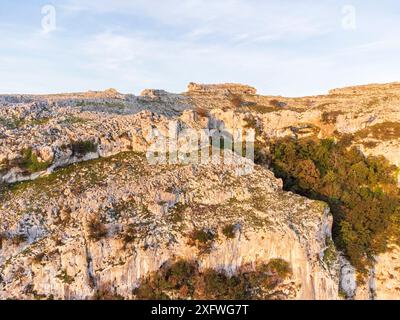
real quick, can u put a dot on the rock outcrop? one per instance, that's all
(227, 88)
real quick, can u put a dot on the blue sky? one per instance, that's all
(285, 47)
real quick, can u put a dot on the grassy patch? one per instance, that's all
(330, 253)
(279, 267)
(31, 163)
(383, 131)
(74, 120)
(373, 102)
(38, 122)
(106, 104)
(16, 123)
(11, 123)
(80, 176)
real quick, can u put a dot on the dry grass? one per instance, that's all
(383, 131)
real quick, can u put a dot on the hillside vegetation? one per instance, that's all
(361, 191)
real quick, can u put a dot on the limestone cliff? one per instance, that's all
(81, 157)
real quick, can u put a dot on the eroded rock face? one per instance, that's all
(46, 244)
(50, 251)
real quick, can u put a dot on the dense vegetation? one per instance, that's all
(362, 192)
(183, 280)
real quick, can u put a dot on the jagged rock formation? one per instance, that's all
(47, 244)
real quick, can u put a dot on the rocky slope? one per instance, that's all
(89, 213)
(148, 213)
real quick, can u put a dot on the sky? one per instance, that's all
(281, 47)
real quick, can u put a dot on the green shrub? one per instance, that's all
(38, 121)
(148, 291)
(74, 119)
(80, 148)
(218, 286)
(180, 273)
(65, 278)
(202, 239)
(229, 231)
(279, 267)
(176, 214)
(129, 235)
(202, 236)
(97, 230)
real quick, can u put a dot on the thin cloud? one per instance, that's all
(223, 18)
(281, 47)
